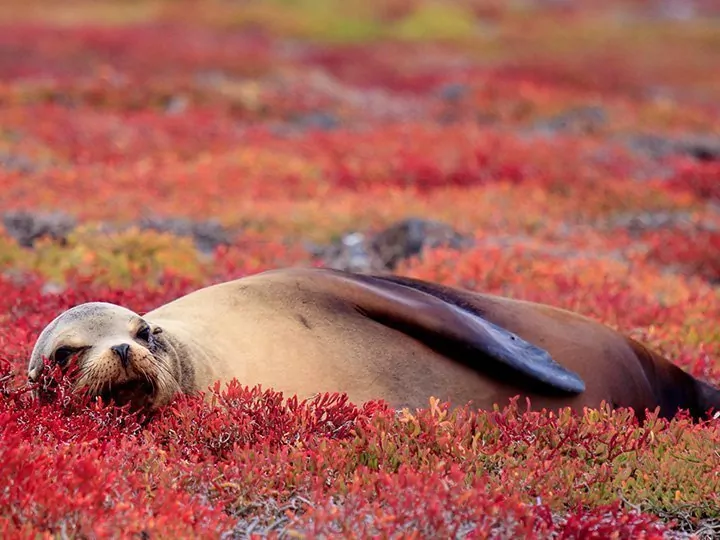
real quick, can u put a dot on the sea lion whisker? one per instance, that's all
(170, 384)
(83, 382)
(176, 353)
(157, 379)
(145, 374)
(98, 385)
(164, 370)
(89, 388)
(148, 378)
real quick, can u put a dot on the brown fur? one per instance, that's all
(304, 331)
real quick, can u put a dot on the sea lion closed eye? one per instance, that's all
(304, 331)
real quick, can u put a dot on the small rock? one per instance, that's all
(27, 227)
(17, 163)
(177, 105)
(52, 289)
(409, 237)
(207, 235)
(643, 221)
(453, 91)
(351, 253)
(382, 252)
(680, 10)
(700, 147)
(639, 222)
(317, 120)
(580, 119)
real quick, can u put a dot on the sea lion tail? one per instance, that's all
(676, 388)
(708, 398)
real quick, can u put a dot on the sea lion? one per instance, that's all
(304, 331)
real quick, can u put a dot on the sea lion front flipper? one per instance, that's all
(459, 333)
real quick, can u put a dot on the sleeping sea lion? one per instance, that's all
(304, 331)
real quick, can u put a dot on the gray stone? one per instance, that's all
(579, 119)
(27, 227)
(382, 252)
(207, 235)
(410, 237)
(699, 147)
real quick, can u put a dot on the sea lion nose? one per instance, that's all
(122, 351)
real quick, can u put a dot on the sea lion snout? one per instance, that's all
(123, 352)
(125, 372)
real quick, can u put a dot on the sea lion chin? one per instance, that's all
(137, 393)
(303, 331)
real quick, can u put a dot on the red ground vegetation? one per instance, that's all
(575, 144)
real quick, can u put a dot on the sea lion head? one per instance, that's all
(114, 352)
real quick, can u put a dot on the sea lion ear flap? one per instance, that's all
(155, 330)
(456, 332)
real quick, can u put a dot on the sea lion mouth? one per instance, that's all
(138, 393)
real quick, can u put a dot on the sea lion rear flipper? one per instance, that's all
(459, 333)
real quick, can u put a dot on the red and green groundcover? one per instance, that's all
(577, 143)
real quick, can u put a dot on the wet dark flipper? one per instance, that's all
(458, 333)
